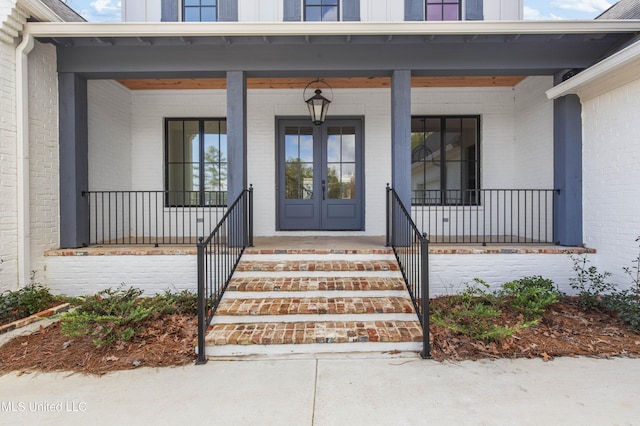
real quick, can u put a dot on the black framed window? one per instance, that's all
(445, 160)
(321, 10)
(443, 10)
(200, 11)
(196, 161)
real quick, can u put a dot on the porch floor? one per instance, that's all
(316, 244)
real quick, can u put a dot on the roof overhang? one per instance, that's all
(617, 70)
(267, 29)
(341, 49)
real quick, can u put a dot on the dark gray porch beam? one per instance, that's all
(74, 163)
(514, 58)
(401, 135)
(567, 169)
(236, 133)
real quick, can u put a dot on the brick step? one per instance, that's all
(319, 265)
(311, 332)
(276, 284)
(314, 301)
(315, 306)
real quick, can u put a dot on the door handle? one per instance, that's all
(323, 189)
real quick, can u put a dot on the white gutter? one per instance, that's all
(266, 29)
(618, 69)
(22, 128)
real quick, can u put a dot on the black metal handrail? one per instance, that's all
(411, 249)
(498, 216)
(218, 257)
(153, 217)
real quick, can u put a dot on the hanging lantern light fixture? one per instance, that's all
(318, 105)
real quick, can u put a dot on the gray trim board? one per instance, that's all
(474, 10)
(169, 10)
(350, 10)
(292, 11)
(74, 162)
(228, 10)
(414, 10)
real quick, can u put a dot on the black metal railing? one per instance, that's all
(499, 216)
(411, 249)
(153, 217)
(218, 256)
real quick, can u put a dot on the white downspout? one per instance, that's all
(22, 130)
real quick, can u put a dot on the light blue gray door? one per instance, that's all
(320, 175)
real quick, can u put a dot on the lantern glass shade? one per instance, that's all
(318, 106)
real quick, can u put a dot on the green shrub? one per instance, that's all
(184, 302)
(530, 295)
(589, 283)
(626, 303)
(595, 291)
(475, 313)
(24, 302)
(113, 315)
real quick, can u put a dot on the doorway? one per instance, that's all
(320, 175)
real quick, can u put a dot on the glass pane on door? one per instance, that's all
(341, 163)
(298, 163)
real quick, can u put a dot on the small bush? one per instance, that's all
(590, 284)
(184, 302)
(530, 295)
(118, 315)
(478, 313)
(595, 291)
(475, 313)
(113, 315)
(24, 302)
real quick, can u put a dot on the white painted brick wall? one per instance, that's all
(449, 273)
(82, 275)
(149, 109)
(533, 142)
(611, 177)
(8, 169)
(109, 120)
(496, 106)
(43, 155)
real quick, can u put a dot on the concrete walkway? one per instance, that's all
(335, 391)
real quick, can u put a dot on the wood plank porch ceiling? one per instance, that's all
(336, 83)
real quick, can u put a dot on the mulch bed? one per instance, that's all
(565, 330)
(169, 341)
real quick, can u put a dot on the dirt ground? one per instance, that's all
(565, 331)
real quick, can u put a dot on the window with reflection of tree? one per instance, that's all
(341, 163)
(196, 161)
(445, 166)
(298, 154)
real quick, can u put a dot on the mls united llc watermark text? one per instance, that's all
(43, 407)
